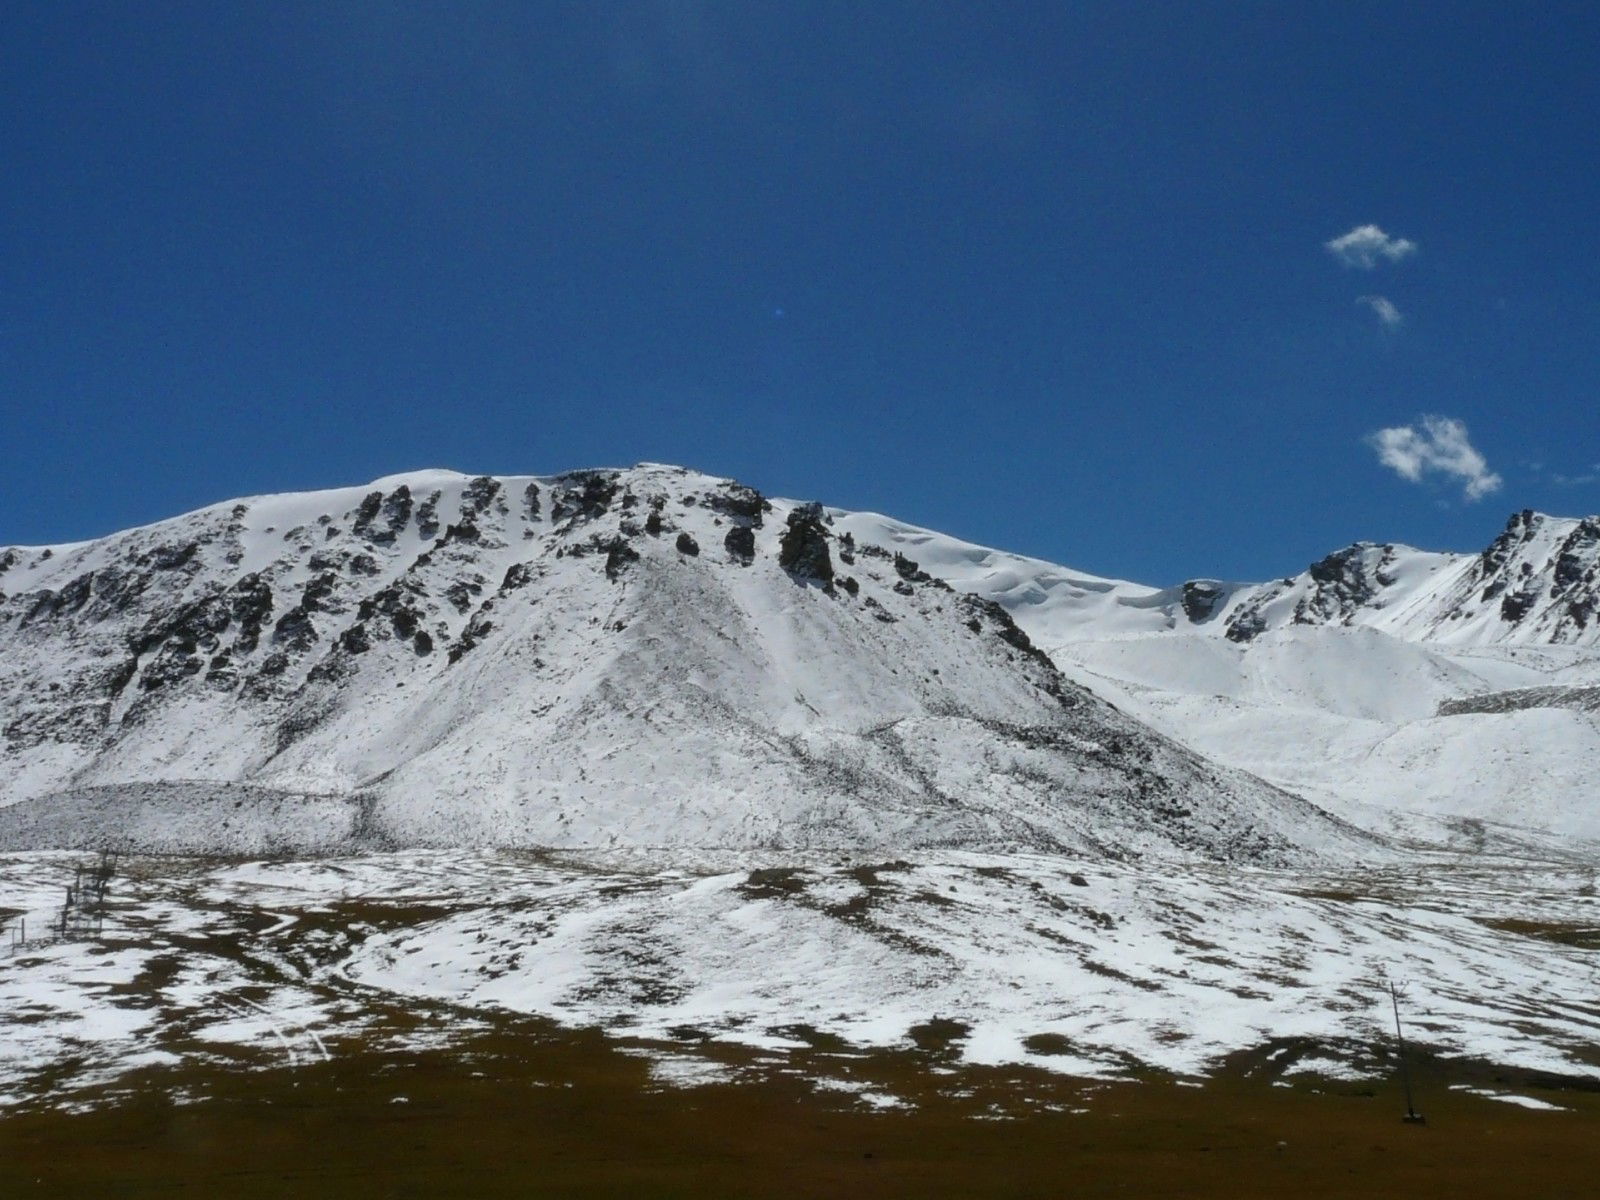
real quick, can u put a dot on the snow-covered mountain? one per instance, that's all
(804, 760)
(1383, 682)
(632, 658)
(1536, 584)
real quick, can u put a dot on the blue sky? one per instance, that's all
(1054, 277)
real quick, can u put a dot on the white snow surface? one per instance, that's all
(580, 660)
(1080, 966)
(1336, 694)
(789, 810)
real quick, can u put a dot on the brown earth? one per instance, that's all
(527, 1111)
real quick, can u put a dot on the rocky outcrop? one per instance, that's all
(1201, 599)
(741, 544)
(803, 548)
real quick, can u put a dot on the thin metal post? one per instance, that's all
(1412, 1116)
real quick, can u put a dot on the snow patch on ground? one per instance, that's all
(1086, 968)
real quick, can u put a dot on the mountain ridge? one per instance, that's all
(1538, 582)
(641, 656)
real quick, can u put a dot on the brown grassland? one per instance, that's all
(531, 1111)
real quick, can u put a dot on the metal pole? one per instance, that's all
(1412, 1115)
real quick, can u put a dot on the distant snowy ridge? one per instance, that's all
(642, 657)
(1537, 583)
(1419, 694)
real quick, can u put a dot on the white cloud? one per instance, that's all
(1364, 245)
(1436, 446)
(1391, 316)
(1592, 475)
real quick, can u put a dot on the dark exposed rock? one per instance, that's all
(1344, 582)
(354, 639)
(422, 643)
(687, 545)
(530, 501)
(462, 593)
(49, 605)
(619, 555)
(318, 591)
(428, 516)
(909, 570)
(395, 510)
(847, 548)
(1520, 528)
(1575, 560)
(1246, 626)
(584, 495)
(1006, 628)
(1516, 605)
(803, 548)
(849, 584)
(741, 544)
(169, 558)
(652, 523)
(1201, 598)
(518, 575)
(478, 494)
(1250, 621)
(743, 504)
(251, 601)
(399, 602)
(477, 629)
(179, 643)
(365, 512)
(466, 531)
(121, 675)
(295, 630)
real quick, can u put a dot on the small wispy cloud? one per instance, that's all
(1436, 446)
(1583, 479)
(1391, 316)
(1365, 245)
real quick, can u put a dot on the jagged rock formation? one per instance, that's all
(803, 549)
(1538, 582)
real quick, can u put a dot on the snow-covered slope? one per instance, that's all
(1536, 584)
(641, 657)
(1383, 682)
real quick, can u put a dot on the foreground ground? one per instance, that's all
(530, 1112)
(440, 1023)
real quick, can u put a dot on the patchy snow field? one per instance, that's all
(1086, 968)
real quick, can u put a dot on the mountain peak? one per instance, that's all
(629, 656)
